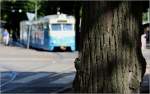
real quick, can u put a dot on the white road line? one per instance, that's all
(31, 78)
(12, 78)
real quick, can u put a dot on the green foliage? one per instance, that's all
(145, 17)
(32, 4)
(7, 6)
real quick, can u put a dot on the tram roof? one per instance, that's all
(51, 17)
(57, 16)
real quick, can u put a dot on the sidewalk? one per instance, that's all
(16, 43)
(31, 71)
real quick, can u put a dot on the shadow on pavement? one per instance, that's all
(145, 86)
(46, 82)
(37, 82)
(56, 49)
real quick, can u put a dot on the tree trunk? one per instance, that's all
(110, 59)
(77, 16)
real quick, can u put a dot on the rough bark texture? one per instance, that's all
(110, 59)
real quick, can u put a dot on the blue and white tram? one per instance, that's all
(49, 32)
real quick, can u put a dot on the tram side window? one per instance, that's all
(67, 27)
(56, 27)
(40, 27)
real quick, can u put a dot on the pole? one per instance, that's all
(29, 33)
(36, 11)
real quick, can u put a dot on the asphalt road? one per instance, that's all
(31, 71)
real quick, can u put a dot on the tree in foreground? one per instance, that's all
(110, 58)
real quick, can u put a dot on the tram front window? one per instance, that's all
(67, 27)
(56, 27)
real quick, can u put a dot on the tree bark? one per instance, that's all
(110, 58)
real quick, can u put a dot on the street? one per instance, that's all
(31, 71)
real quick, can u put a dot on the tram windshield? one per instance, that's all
(56, 27)
(67, 27)
(62, 27)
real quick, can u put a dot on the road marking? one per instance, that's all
(31, 78)
(64, 80)
(13, 76)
